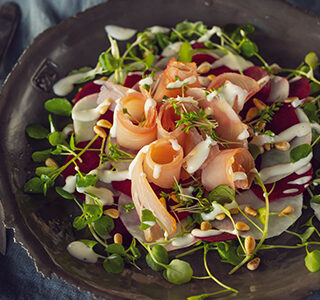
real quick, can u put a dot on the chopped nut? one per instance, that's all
(250, 211)
(287, 211)
(205, 225)
(104, 123)
(253, 264)
(104, 78)
(290, 99)
(282, 146)
(267, 146)
(259, 104)
(205, 67)
(220, 217)
(211, 77)
(118, 238)
(100, 131)
(112, 212)
(261, 125)
(242, 226)
(249, 244)
(163, 202)
(234, 211)
(252, 113)
(51, 163)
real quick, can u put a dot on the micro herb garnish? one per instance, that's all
(115, 154)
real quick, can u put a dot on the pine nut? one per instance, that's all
(118, 238)
(261, 126)
(163, 202)
(104, 123)
(267, 146)
(252, 113)
(100, 131)
(242, 226)
(290, 99)
(259, 104)
(287, 211)
(234, 211)
(104, 78)
(220, 217)
(250, 211)
(211, 77)
(253, 264)
(205, 226)
(249, 244)
(308, 99)
(112, 212)
(282, 146)
(51, 163)
(205, 67)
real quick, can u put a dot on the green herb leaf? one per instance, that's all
(314, 88)
(228, 253)
(80, 222)
(262, 215)
(37, 131)
(307, 234)
(312, 60)
(254, 150)
(45, 171)
(104, 225)
(116, 249)
(222, 194)
(161, 255)
(89, 243)
(34, 186)
(300, 152)
(135, 252)
(86, 180)
(249, 48)
(312, 261)
(41, 156)
(114, 264)
(315, 199)
(149, 60)
(55, 138)
(129, 206)
(147, 219)
(311, 110)
(185, 52)
(58, 106)
(178, 272)
(92, 212)
(64, 194)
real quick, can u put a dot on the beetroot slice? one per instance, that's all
(198, 45)
(131, 80)
(299, 88)
(122, 186)
(90, 88)
(200, 58)
(225, 236)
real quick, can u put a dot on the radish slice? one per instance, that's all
(90, 88)
(299, 87)
(279, 89)
(215, 238)
(277, 224)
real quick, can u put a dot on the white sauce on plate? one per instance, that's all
(178, 83)
(183, 241)
(82, 252)
(205, 233)
(120, 33)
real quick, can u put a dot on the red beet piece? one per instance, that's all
(132, 79)
(122, 186)
(198, 45)
(299, 88)
(199, 58)
(218, 238)
(90, 88)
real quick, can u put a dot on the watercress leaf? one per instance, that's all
(300, 152)
(72, 143)
(249, 48)
(114, 264)
(163, 40)
(312, 261)
(89, 243)
(197, 217)
(310, 109)
(104, 225)
(178, 272)
(307, 234)
(160, 254)
(254, 150)
(41, 156)
(37, 131)
(116, 248)
(86, 180)
(80, 222)
(58, 106)
(64, 194)
(312, 60)
(314, 88)
(185, 52)
(149, 60)
(55, 138)
(129, 206)
(45, 171)
(228, 253)
(93, 212)
(247, 28)
(34, 186)
(147, 219)
(222, 194)
(315, 199)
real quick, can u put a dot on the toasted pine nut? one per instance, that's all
(234, 211)
(259, 104)
(290, 99)
(104, 78)
(205, 225)
(249, 244)
(261, 125)
(287, 211)
(252, 113)
(211, 77)
(205, 67)
(104, 123)
(174, 198)
(51, 163)
(242, 226)
(118, 238)
(308, 99)
(267, 146)
(112, 212)
(100, 131)
(250, 211)
(163, 202)
(282, 146)
(253, 264)
(220, 217)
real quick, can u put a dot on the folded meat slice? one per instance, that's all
(134, 121)
(176, 70)
(233, 167)
(234, 88)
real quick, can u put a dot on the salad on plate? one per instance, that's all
(186, 139)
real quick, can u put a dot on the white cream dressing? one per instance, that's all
(158, 29)
(232, 61)
(316, 208)
(217, 210)
(108, 176)
(178, 83)
(197, 156)
(104, 195)
(156, 171)
(301, 180)
(290, 191)
(239, 176)
(148, 104)
(183, 241)
(304, 169)
(148, 81)
(212, 95)
(70, 184)
(207, 36)
(186, 100)
(120, 33)
(171, 49)
(65, 85)
(175, 145)
(243, 135)
(231, 92)
(297, 102)
(205, 233)
(82, 252)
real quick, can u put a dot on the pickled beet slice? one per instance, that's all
(132, 79)
(122, 186)
(90, 88)
(225, 236)
(199, 58)
(198, 45)
(299, 88)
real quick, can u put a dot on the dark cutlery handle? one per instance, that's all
(9, 20)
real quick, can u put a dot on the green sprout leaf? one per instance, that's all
(55, 138)
(80, 222)
(89, 243)
(178, 272)
(116, 249)
(312, 261)
(300, 152)
(222, 194)
(64, 194)
(129, 206)
(92, 212)
(307, 234)
(228, 253)
(160, 254)
(185, 53)
(114, 264)
(45, 171)
(104, 225)
(37, 131)
(312, 60)
(34, 186)
(41, 156)
(85, 180)
(249, 48)
(315, 199)
(147, 219)
(58, 106)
